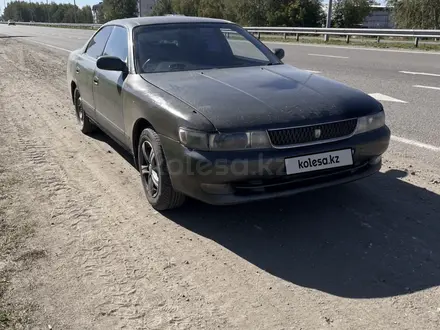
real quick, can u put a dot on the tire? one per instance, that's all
(154, 173)
(85, 124)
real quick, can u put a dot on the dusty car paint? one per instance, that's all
(222, 100)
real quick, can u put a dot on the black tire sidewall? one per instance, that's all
(150, 136)
(77, 95)
(86, 126)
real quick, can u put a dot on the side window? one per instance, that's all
(117, 44)
(242, 47)
(97, 44)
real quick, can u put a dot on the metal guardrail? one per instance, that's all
(65, 25)
(297, 31)
(326, 32)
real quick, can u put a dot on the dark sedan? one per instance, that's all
(209, 112)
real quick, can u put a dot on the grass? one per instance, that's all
(5, 319)
(6, 316)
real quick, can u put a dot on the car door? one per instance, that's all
(85, 68)
(107, 88)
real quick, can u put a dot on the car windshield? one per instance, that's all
(183, 47)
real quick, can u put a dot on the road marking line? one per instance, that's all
(415, 143)
(421, 73)
(427, 87)
(382, 97)
(312, 71)
(332, 56)
(47, 45)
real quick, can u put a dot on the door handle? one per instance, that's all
(96, 80)
(77, 70)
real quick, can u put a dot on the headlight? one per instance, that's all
(224, 141)
(370, 123)
(194, 139)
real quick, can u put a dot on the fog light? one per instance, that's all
(216, 189)
(375, 160)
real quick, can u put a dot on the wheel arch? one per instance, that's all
(138, 127)
(73, 86)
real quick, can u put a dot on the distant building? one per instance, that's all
(379, 18)
(146, 7)
(96, 11)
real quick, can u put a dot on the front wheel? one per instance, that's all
(154, 173)
(84, 123)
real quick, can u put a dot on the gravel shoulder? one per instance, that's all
(81, 248)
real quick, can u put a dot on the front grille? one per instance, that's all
(313, 133)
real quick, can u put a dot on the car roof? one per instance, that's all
(170, 19)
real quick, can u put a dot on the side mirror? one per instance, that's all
(111, 63)
(279, 52)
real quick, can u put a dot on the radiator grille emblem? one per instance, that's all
(317, 133)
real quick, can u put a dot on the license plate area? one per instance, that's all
(317, 162)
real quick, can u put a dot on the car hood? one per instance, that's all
(264, 97)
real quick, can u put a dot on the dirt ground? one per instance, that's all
(80, 248)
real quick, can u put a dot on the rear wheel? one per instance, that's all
(84, 123)
(154, 173)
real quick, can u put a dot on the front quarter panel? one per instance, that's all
(163, 111)
(71, 63)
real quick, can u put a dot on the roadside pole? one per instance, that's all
(48, 11)
(74, 10)
(329, 19)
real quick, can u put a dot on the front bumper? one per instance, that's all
(245, 176)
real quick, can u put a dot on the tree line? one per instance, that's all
(41, 12)
(416, 14)
(412, 14)
(246, 12)
(304, 13)
(68, 13)
(249, 12)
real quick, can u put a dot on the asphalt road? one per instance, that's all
(406, 82)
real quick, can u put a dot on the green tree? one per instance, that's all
(85, 15)
(252, 12)
(162, 7)
(211, 8)
(116, 9)
(70, 14)
(42, 12)
(59, 14)
(295, 13)
(230, 10)
(416, 14)
(186, 7)
(249, 12)
(350, 13)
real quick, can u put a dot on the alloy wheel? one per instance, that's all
(79, 110)
(149, 169)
